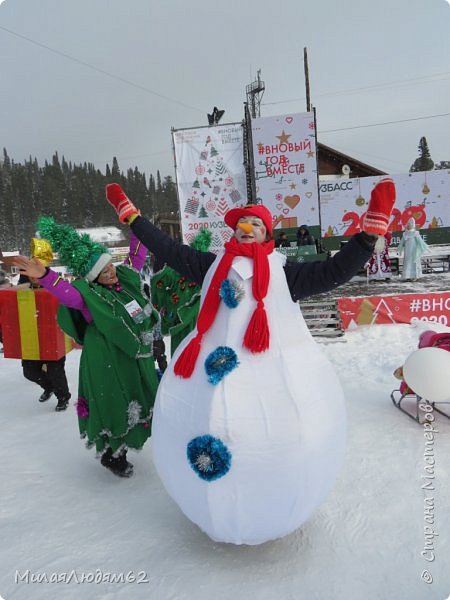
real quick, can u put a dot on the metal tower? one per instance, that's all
(255, 92)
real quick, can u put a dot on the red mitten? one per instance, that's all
(381, 203)
(121, 203)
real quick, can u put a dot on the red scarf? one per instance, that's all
(256, 338)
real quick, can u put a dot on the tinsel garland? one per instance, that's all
(231, 293)
(74, 250)
(208, 457)
(106, 433)
(82, 407)
(147, 338)
(134, 413)
(202, 240)
(219, 363)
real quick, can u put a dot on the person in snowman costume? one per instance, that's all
(249, 423)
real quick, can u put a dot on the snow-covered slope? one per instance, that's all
(63, 513)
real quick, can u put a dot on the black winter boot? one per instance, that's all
(63, 403)
(106, 458)
(124, 466)
(117, 464)
(46, 394)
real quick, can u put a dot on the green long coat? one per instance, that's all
(117, 379)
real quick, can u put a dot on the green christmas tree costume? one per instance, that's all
(117, 378)
(176, 298)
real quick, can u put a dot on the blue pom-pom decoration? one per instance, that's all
(208, 457)
(219, 363)
(231, 293)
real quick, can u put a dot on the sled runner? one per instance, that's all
(416, 401)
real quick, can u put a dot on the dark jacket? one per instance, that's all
(280, 243)
(304, 239)
(303, 279)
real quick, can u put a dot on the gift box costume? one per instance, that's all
(35, 330)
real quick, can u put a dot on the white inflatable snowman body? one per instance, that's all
(250, 457)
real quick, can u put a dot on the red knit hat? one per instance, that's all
(251, 210)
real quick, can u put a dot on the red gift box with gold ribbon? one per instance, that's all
(29, 327)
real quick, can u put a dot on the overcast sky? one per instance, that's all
(94, 79)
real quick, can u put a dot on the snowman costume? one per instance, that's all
(249, 424)
(280, 414)
(249, 455)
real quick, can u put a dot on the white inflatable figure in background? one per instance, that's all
(427, 372)
(248, 432)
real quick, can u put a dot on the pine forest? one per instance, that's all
(72, 194)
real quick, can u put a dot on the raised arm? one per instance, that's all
(307, 279)
(53, 283)
(136, 254)
(187, 261)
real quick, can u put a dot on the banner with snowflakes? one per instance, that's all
(424, 195)
(210, 179)
(285, 158)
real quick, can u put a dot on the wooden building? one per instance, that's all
(333, 162)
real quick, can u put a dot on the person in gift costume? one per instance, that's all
(249, 424)
(106, 312)
(413, 246)
(48, 374)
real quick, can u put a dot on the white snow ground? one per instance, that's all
(62, 513)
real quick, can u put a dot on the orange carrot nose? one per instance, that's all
(245, 227)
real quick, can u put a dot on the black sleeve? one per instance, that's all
(193, 264)
(307, 279)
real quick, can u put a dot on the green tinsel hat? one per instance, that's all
(202, 240)
(80, 253)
